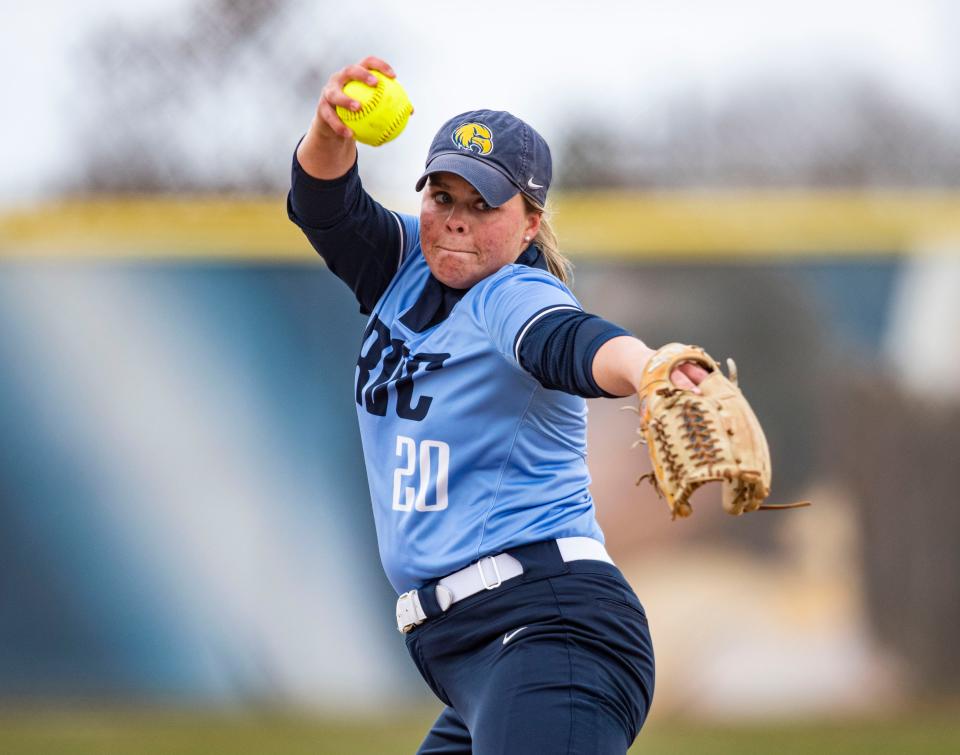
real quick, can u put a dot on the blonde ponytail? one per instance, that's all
(546, 240)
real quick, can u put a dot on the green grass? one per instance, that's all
(927, 734)
(146, 732)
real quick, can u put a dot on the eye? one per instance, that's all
(441, 197)
(483, 206)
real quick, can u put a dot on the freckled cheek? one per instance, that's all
(497, 248)
(428, 230)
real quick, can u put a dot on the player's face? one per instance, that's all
(464, 239)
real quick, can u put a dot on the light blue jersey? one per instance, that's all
(467, 454)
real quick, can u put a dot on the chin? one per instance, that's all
(458, 281)
(453, 272)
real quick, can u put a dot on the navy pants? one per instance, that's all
(557, 660)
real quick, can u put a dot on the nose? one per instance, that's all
(455, 221)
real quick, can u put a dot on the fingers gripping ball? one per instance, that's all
(384, 110)
(695, 438)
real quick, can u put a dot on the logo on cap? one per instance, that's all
(474, 137)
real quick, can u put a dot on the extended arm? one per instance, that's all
(618, 367)
(580, 353)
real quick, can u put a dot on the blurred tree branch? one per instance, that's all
(199, 102)
(850, 131)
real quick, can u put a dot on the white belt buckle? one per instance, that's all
(496, 571)
(409, 611)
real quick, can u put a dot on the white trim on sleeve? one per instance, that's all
(402, 243)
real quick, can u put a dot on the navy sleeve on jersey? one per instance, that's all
(559, 347)
(361, 241)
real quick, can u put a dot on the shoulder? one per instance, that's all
(409, 273)
(518, 281)
(515, 297)
(409, 226)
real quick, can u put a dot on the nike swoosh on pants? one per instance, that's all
(510, 635)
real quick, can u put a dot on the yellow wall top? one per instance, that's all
(601, 224)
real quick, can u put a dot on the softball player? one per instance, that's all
(470, 389)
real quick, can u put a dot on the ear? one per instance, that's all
(533, 224)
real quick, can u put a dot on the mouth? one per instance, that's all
(455, 251)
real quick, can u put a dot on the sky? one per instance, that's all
(546, 61)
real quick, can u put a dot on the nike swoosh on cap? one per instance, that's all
(510, 635)
(532, 185)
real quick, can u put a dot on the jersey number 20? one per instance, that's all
(418, 463)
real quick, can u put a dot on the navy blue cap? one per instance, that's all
(496, 152)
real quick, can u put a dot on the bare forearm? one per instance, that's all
(618, 365)
(323, 154)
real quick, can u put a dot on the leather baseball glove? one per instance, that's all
(698, 438)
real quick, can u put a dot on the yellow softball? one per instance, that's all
(384, 110)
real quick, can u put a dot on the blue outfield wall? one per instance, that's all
(183, 507)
